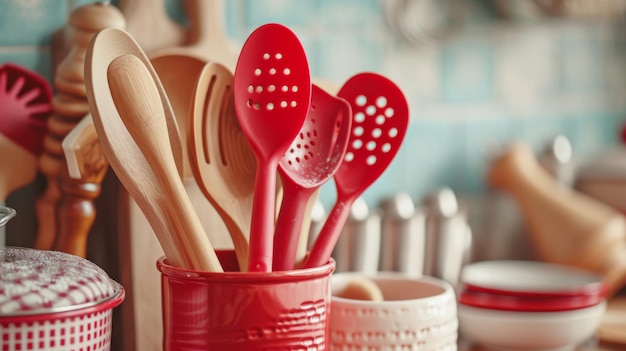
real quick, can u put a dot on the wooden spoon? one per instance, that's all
(220, 156)
(137, 99)
(127, 161)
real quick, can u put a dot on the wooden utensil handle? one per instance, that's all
(566, 226)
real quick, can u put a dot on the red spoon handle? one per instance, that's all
(289, 225)
(327, 238)
(263, 214)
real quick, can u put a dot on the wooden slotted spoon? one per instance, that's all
(312, 160)
(220, 156)
(380, 119)
(272, 88)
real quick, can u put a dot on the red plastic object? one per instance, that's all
(528, 303)
(312, 160)
(24, 106)
(380, 117)
(531, 279)
(245, 310)
(272, 91)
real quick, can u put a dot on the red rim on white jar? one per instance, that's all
(52, 300)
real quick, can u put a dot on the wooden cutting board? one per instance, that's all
(612, 330)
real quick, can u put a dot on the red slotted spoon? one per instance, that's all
(312, 159)
(380, 119)
(272, 87)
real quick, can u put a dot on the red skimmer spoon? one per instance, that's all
(380, 117)
(312, 159)
(272, 88)
(25, 105)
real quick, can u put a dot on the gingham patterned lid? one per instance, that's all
(35, 281)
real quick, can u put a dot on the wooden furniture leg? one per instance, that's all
(69, 106)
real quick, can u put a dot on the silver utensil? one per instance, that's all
(358, 246)
(448, 236)
(403, 236)
(6, 213)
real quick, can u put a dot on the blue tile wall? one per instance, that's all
(30, 23)
(467, 69)
(483, 86)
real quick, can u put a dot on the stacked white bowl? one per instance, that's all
(527, 305)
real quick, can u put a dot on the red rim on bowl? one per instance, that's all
(531, 279)
(527, 304)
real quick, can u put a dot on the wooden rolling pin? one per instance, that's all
(69, 106)
(566, 227)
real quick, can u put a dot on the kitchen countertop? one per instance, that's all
(591, 346)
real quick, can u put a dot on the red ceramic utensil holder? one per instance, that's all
(234, 310)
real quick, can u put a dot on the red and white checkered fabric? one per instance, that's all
(33, 281)
(90, 332)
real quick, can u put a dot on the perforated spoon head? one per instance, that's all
(318, 150)
(272, 89)
(380, 117)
